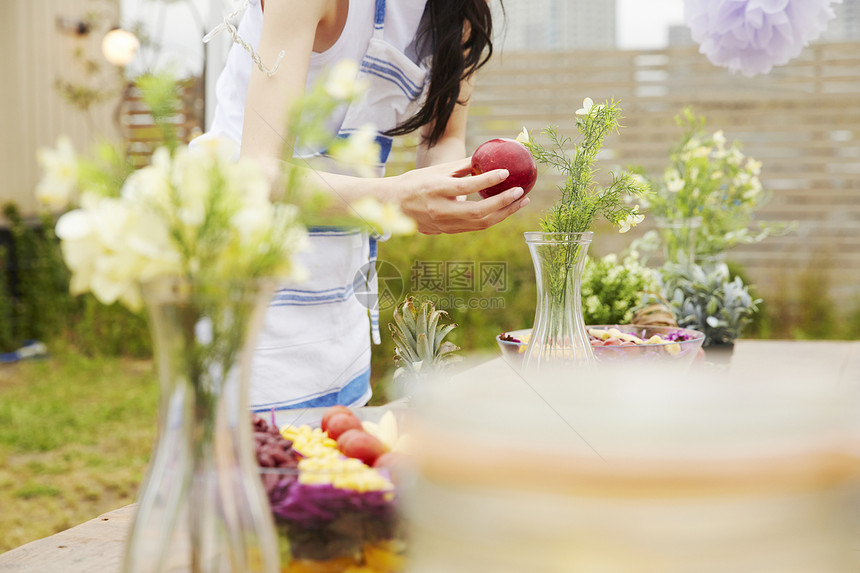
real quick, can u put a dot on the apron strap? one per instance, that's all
(379, 19)
(373, 287)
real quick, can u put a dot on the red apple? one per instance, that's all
(341, 423)
(331, 412)
(360, 445)
(505, 154)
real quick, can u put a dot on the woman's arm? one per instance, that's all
(452, 144)
(426, 194)
(289, 26)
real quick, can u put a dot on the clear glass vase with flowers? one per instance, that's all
(708, 196)
(197, 240)
(559, 249)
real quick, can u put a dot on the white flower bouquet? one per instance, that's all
(710, 178)
(196, 214)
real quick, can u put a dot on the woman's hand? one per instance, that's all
(429, 195)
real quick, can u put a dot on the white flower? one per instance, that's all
(198, 212)
(673, 180)
(523, 136)
(588, 106)
(719, 138)
(754, 189)
(60, 175)
(700, 152)
(735, 157)
(343, 82)
(694, 173)
(631, 220)
(110, 246)
(359, 151)
(639, 181)
(385, 218)
(754, 166)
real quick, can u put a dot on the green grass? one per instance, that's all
(75, 437)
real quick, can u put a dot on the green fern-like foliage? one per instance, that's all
(581, 200)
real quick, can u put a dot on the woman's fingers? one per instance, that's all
(502, 214)
(458, 167)
(473, 184)
(490, 205)
(459, 217)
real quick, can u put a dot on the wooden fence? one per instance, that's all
(141, 134)
(802, 121)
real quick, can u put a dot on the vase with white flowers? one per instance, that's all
(196, 240)
(707, 199)
(559, 249)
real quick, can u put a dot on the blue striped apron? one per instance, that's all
(314, 349)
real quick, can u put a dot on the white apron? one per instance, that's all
(314, 349)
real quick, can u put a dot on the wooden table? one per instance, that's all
(97, 545)
(94, 546)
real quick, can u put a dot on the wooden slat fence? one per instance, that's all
(140, 132)
(802, 121)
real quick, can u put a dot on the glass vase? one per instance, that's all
(202, 507)
(559, 337)
(679, 239)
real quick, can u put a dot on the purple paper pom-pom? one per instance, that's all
(752, 36)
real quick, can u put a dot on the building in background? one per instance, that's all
(549, 25)
(680, 35)
(846, 26)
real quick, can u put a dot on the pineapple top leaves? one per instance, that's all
(419, 337)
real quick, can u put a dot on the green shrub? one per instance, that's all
(42, 307)
(42, 301)
(7, 330)
(612, 289)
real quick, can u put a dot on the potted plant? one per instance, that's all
(706, 200)
(709, 300)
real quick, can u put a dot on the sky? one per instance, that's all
(643, 24)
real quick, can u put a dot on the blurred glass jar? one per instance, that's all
(634, 472)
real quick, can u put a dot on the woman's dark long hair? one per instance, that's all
(462, 40)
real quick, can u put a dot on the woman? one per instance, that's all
(418, 58)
